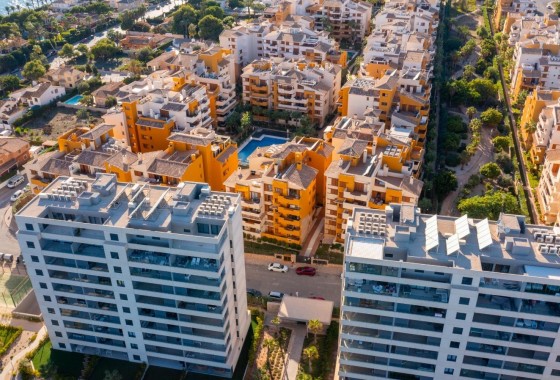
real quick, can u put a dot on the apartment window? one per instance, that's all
(47, 298)
(464, 301)
(30, 244)
(62, 345)
(131, 334)
(43, 285)
(451, 358)
(203, 228)
(467, 281)
(123, 297)
(115, 255)
(114, 237)
(555, 372)
(29, 226)
(449, 371)
(38, 272)
(454, 344)
(461, 316)
(58, 334)
(35, 259)
(136, 357)
(120, 283)
(50, 310)
(54, 322)
(134, 346)
(457, 330)
(118, 269)
(128, 322)
(126, 310)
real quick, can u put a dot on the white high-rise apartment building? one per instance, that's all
(436, 297)
(138, 272)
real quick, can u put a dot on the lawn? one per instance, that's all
(127, 370)
(336, 257)
(160, 373)
(42, 355)
(67, 365)
(266, 249)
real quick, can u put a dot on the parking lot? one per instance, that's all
(326, 283)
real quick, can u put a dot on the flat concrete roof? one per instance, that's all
(302, 309)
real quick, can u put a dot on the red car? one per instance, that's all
(306, 271)
(317, 298)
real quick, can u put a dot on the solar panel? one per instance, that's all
(452, 244)
(462, 227)
(483, 234)
(432, 239)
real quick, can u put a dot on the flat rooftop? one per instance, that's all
(105, 201)
(405, 234)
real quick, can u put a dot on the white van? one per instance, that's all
(15, 181)
(275, 295)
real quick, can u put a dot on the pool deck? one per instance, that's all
(260, 138)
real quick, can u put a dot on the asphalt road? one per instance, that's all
(8, 240)
(326, 283)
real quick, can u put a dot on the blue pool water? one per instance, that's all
(256, 143)
(74, 100)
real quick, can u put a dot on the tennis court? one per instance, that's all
(13, 289)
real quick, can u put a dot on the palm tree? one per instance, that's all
(7, 8)
(471, 111)
(113, 375)
(310, 353)
(315, 326)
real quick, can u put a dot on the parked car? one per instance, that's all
(276, 295)
(306, 271)
(15, 181)
(254, 292)
(277, 267)
(16, 195)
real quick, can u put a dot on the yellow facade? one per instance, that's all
(70, 140)
(122, 176)
(536, 101)
(145, 134)
(219, 159)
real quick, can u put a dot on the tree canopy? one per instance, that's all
(210, 27)
(104, 49)
(444, 183)
(490, 170)
(491, 117)
(33, 70)
(489, 205)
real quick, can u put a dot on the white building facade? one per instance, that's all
(435, 297)
(139, 273)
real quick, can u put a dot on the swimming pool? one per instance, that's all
(74, 100)
(255, 143)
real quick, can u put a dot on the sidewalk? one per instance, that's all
(294, 352)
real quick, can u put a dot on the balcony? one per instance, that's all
(356, 195)
(145, 257)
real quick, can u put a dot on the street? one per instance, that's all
(9, 242)
(326, 283)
